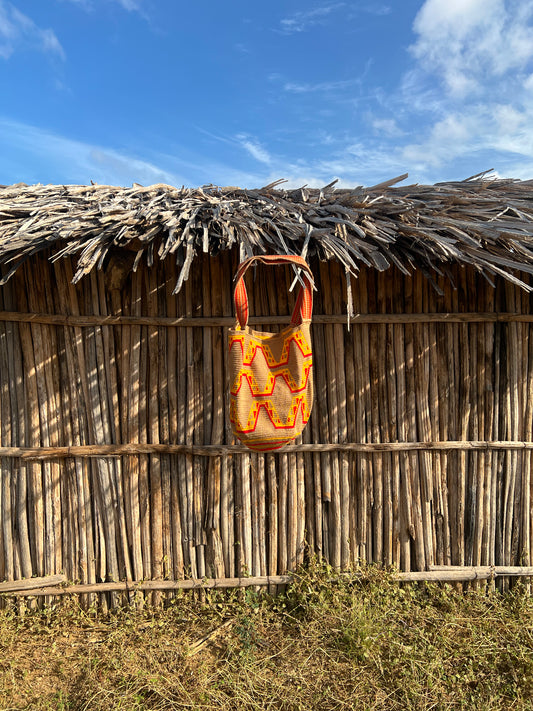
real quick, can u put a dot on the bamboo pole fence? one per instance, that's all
(58, 584)
(118, 467)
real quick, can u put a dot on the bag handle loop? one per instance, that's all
(303, 307)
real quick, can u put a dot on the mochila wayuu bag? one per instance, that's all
(271, 374)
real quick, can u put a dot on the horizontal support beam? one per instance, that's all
(52, 586)
(228, 321)
(220, 450)
(32, 583)
(150, 585)
(485, 570)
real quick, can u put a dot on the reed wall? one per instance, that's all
(418, 451)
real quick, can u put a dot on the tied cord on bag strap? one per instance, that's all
(304, 302)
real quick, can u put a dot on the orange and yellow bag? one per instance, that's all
(271, 374)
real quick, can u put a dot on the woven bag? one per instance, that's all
(271, 374)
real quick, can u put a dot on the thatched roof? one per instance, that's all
(483, 222)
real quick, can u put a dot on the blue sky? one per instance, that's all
(243, 93)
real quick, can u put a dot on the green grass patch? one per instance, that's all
(330, 642)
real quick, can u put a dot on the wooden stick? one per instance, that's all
(156, 403)
(351, 423)
(272, 516)
(216, 357)
(217, 450)
(392, 434)
(151, 585)
(527, 478)
(441, 426)
(461, 574)
(203, 641)
(218, 321)
(32, 583)
(174, 426)
(198, 287)
(258, 489)
(320, 415)
(440, 508)
(464, 408)
(340, 362)
(479, 523)
(405, 518)
(6, 504)
(55, 412)
(33, 436)
(19, 435)
(332, 376)
(423, 421)
(512, 570)
(488, 553)
(436, 574)
(105, 422)
(387, 421)
(110, 367)
(227, 472)
(377, 384)
(45, 400)
(512, 418)
(121, 303)
(144, 461)
(366, 487)
(73, 537)
(76, 362)
(100, 423)
(182, 492)
(133, 394)
(189, 412)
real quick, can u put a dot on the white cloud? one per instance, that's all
(374, 8)
(386, 127)
(127, 169)
(254, 149)
(31, 154)
(30, 147)
(470, 42)
(304, 20)
(528, 83)
(377, 9)
(447, 139)
(498, 134)
(18, 31)
(466, 102)
(509, 119)
(251, 145)
(129, 5)
(324, 86)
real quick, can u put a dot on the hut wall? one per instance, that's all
(217, 511)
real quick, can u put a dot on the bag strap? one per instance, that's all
(304, 302)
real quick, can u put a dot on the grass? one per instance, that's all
(329, 642)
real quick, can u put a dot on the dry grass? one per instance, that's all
(328, 643)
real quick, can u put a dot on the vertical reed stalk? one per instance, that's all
(156, 402)
(174, 368)
(217, 429)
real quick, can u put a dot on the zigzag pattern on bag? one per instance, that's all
(298, 401)
(270, 384)
(257, 343)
